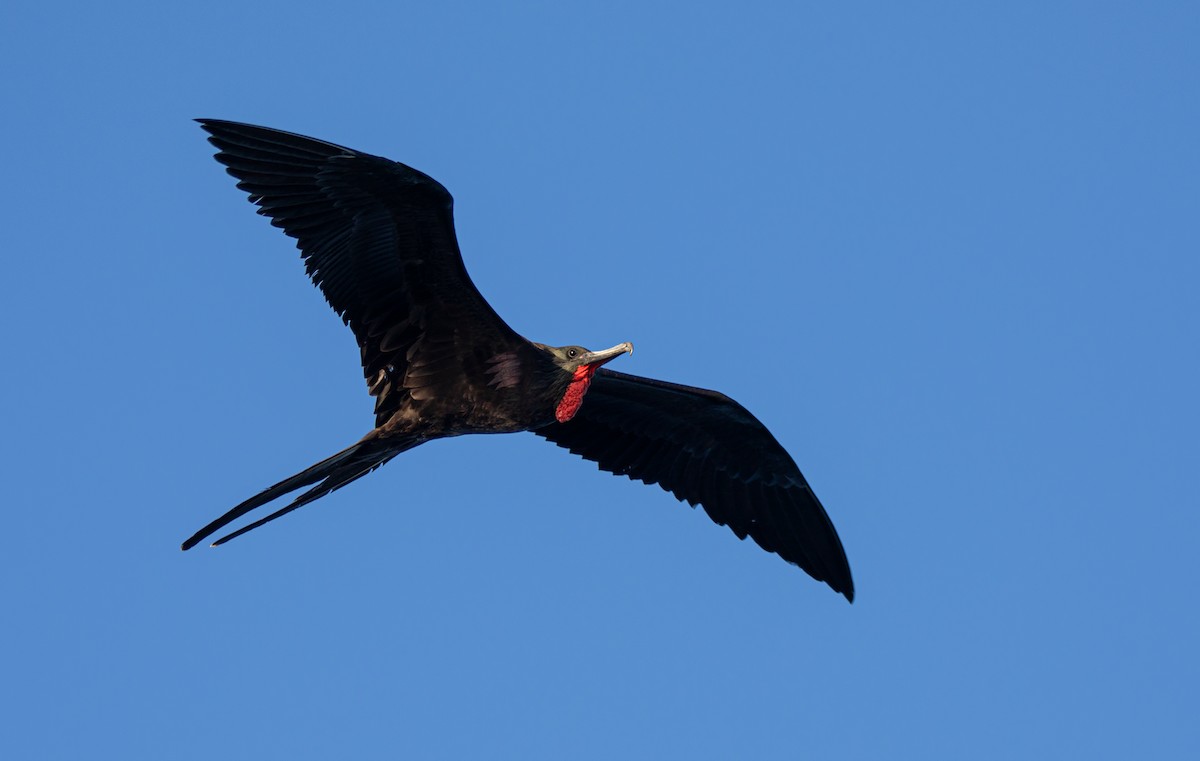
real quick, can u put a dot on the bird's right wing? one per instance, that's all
(705, 448)
(377, 238)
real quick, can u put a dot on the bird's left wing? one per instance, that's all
(377, 238)
(705, 448)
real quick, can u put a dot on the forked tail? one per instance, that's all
(334, 472)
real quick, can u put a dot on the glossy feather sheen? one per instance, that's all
(377, 237)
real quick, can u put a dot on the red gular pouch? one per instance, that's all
(573, 398)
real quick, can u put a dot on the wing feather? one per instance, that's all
(706, 449)
(377, 237)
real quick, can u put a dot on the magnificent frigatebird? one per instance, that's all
(377, 238)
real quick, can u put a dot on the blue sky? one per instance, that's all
(949, 254)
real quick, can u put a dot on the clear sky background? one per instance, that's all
(948, 253)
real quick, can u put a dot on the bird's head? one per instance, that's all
(572, 359)
(578, 365)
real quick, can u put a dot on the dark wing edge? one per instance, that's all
(336, 203)
(377, 238)
(707, 450)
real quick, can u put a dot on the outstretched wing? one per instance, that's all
(377, 237)
(705, 448)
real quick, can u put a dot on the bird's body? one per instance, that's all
(378, 240)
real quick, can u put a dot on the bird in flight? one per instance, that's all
(377, 237)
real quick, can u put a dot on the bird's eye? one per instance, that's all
(572, 353)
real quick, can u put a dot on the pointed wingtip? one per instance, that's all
(844, 587)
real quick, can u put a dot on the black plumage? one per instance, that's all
(377, 237)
